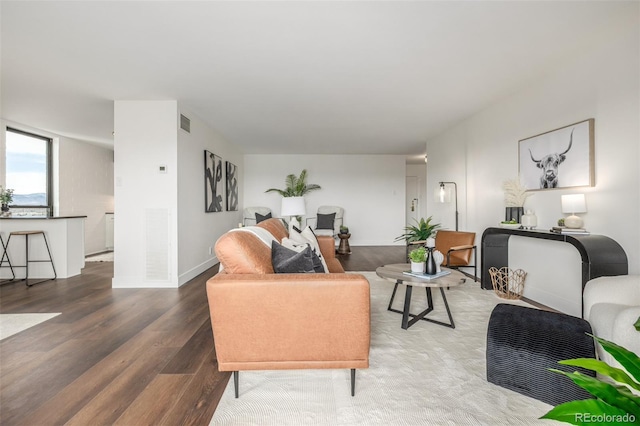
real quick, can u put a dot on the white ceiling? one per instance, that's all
(285, 77)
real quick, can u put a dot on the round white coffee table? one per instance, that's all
(396, 272)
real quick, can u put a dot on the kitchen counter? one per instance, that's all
(42, 217)
(65, 235)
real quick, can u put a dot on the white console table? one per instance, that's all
(65, 235)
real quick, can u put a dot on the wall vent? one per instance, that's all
(185, 123)
(157, 245)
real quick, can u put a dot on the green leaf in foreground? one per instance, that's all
(605, 392)
(626, 358)
(587, 412)
(604, 369)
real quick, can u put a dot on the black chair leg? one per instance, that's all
(235, 382)
(353, 382)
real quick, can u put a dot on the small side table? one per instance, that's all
(344, 247)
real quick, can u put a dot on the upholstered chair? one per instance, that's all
(249, 214)
(458, 247)
(322, 222)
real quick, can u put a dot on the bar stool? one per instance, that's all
(5, 255)
(26, 235)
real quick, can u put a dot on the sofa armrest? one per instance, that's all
(327, 246)
(283, 321)
(464, 247)
(620, 289)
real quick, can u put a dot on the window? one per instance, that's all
(28, 165)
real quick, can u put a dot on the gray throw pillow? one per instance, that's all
(260, 218)
(287, 261)
(325, 221)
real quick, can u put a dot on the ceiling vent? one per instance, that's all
(185, 123)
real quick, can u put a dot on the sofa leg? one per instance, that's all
(353, 382)
(235, 382)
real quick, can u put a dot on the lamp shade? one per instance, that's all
(574, 203)
(293, 206)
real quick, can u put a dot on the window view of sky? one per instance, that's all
(26, 168)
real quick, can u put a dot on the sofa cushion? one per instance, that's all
(275, 228)
(287, 261)
(245, 251)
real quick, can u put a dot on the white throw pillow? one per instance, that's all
(307, 236)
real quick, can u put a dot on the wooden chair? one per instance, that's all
(457, 248)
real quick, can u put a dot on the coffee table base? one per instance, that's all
(406, 322)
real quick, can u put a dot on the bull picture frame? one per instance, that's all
(560, 158)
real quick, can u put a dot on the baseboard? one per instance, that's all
(197, 270)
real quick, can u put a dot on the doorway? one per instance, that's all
(413, 204)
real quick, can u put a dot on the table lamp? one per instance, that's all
(573, 203)
(293, 206)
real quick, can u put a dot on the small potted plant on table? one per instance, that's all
(418, 256)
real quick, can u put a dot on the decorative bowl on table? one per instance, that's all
(510, 225)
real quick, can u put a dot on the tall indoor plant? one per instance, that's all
(296, 186)
(295, 189)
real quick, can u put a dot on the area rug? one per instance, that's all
(426, 375)
(11, 324)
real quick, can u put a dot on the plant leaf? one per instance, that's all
(574, 412)
(626, 358)
(279, 191)
(604, 391)
(637, 324)
(602, 368)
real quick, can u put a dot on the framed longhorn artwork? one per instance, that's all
(560, 158)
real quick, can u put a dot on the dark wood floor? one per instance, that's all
(119, 356)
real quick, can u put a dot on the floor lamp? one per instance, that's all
(444, 196)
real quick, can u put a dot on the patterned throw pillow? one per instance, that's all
(317, 263)
(307, 236)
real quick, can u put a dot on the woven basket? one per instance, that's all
(508, 283)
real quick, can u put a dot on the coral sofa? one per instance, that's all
(267, 321)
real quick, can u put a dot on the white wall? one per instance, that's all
(86, 187)
(146, 201)
(163, 236)
(371, 188)
(482, 152)
(198, 231)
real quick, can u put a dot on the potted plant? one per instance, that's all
(418, 256)
(344, 229)
(6, 197)
(515, 194)
(420, 232)
(295, 186)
